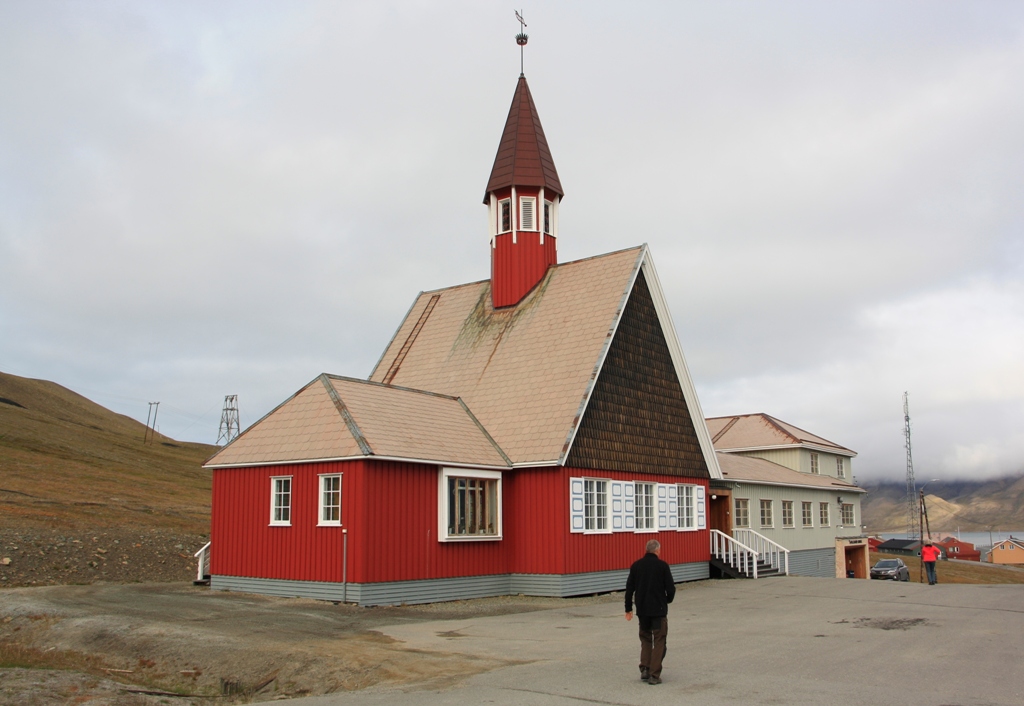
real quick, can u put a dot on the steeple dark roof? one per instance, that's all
(523, 157)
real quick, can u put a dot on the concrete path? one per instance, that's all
(772, 641)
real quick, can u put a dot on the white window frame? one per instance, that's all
(273, 501)
(840, 467)
(815, 469)
(321, 505)
(738, 515)
(641, 507)
(842, 515)
(442, 504)
(807, 519)
(792, 518)
(687, 513)
(528, 224)
(769, 505)
(547, 217)
(587, 517)
(824, 515)
(498, 218)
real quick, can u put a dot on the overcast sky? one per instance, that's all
(210, 198)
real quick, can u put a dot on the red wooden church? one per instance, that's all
(524, 434)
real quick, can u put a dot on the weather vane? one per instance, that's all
(521, 39)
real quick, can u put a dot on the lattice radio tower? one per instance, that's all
(913, 502)
(230, 426)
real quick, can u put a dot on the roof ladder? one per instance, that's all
(400, 358)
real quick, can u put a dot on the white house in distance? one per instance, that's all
(791, 486)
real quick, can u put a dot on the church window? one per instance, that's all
(806, 516)
(471, 504)
(595, 505)
(547, 217)
(848, 519)
(281, 501)
(505, 215)
(840, 468)
(687, 507)
(823, 518)
(330, 499)
(644, 506)
(767, 516)
(814, 463)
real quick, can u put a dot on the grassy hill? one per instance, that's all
(69, 463)
(974, 506)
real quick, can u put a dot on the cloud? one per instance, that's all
(234, 197)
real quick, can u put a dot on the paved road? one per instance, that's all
(772, 641)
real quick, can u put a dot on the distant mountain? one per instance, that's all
(973, 506)
(67, 462)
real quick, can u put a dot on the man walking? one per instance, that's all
(929, 555)
(650, 580)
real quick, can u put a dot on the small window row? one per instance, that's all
(528, 220)
(741, 514)
(329, 505)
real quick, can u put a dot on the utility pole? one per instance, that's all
(230, 426)
(154, 407)
(913, 505)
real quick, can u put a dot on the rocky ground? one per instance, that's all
(39, 557)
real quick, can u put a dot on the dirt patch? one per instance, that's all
(53, 557)
(205, 644)
(890, 623)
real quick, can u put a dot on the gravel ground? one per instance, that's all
(58, 557)
(194, 641)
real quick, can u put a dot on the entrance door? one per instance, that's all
(856, 561)
(720, 510)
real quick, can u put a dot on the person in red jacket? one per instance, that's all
(929, 555)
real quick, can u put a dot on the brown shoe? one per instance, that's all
(654, 680)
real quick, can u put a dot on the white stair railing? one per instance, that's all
(734, 553)
(203, 555)
(773, 553)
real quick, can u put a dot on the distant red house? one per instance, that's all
(523, 434)
(873, 543)
(955, 549)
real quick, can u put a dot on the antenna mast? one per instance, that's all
(913, 502)
(230, 426)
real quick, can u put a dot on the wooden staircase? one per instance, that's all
(749, 555)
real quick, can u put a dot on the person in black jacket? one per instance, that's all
(650, 581)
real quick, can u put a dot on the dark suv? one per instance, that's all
(893, 569)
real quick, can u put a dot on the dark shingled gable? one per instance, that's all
(637, 420)
(523, 157)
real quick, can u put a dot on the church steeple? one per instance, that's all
(523, 194)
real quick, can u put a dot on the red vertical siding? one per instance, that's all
(543, 543)
(391, 513)
(402, 525)
(244, 544)
(389, 509)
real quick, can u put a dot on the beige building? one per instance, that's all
(792, 487)
(1009, 551)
